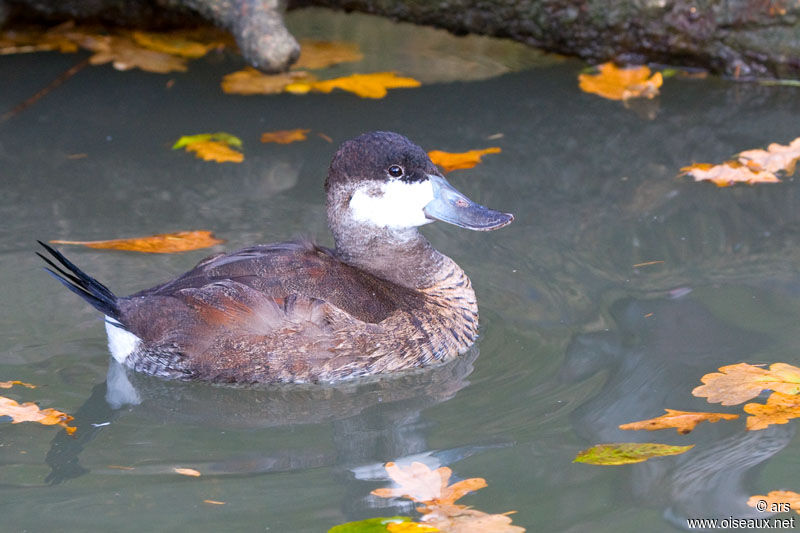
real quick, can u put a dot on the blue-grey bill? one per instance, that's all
(449, 205)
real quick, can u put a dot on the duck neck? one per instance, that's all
(403, 257)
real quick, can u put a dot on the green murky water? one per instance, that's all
(575, 339)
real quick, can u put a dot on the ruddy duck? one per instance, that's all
(382, 300)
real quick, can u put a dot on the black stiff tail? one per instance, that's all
(85, 286)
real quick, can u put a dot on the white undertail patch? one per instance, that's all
(121, 342)
(399, 206)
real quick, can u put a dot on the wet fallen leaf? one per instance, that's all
(682, 421)
(627, 452)
(734, 384)
(617, 83)
(125, 54)
(421, 484)
(370, 525)
(212, 146)
(163, 243)
(728, 173)
(30, 412)
(173, 44)
(777, 501)
(462, 519)
(9, 384)
(252, 81)
(36, 40)
(457, 160)
(284, 136)
(191, 472)
(214, 502)
(409, 527)
(775, 158)
(373, 85)
(320, 54)
(779, 409)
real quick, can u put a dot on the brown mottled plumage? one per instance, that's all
(383, 300)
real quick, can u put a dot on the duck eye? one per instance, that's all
(395, 171)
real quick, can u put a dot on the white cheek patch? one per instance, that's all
(400, 205)
(121, 342)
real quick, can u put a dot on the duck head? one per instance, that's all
(383, 182)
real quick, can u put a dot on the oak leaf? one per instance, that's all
(372, 85)
(30, 412)
(627, 452)
(172, 44)
(124, 54)
(775, 158)
(9, 384)
(252, 81)
(728, 173)
(285, 136)
(462, 519)
(163, 243)
(777, 501)
(457, 160)
(617, 83)
(320, 54)
(421, 484)
(734, 384)
(779, 409)
(682, 421)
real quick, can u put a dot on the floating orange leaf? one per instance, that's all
(252, 81)
(9, 384)
(163, 243)
(734, 384)
(18, 42)
(191, 472)
(624, 453)
(30, 412)
(284, 136)
(729, 173)
(409, 527)
(456, 160)
(215, 151)
(617, 83)
(366, 85)
(775, 158)
(214, 502)
(125, 54)
(682, 421)
(779, 409)
(421, 484)
(320, 54)
(173, 44)
(777, 501)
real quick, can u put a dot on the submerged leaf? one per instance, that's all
(320, 54)
(252, 81)
(30, 412)
(734, 384)
(457, 160)
(373, 85)
(729, 173)
(370, 525)
(421, 484)
(285, 136)
(777, 501)
(462, 519)
(682, 421)
(162, 243)
(779, 409)
(617, 83)
(9, 384)
(19, 42)
(125, 54)
(627, 452)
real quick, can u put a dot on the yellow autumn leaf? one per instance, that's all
(776, 158)
(191, 472)
(728, 173)
(125, 54)
(22, 41)
(777, 501)
(214, 502)
(163, 243)
(30, 412)
(320, 54)
(623, 453)
(734, 384)
(173, 44)
(457, 160)
(285, 136)
(215, 151)
(252, 81)
(373, 85)
(779, 409)
(9, 384)
(409, 527)
(682, 421)
(617, 83)
(421, 484)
